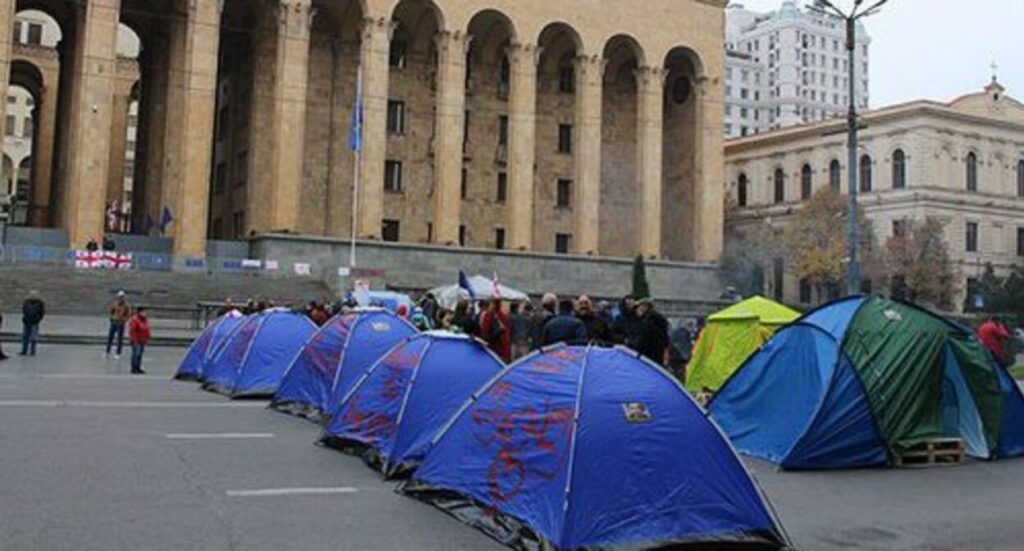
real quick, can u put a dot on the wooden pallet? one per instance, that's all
(937, 452)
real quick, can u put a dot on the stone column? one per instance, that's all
(709, 193)
(92, 106)
(188, 136)
(7, 12)
(42, 151)
(587, 138)
(291, 70)
(118, 145)
(523, 59)
(650, 120)
(375, 71)
(449, 135)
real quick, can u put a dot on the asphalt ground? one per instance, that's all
(94, 458)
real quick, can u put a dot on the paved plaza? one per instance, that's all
(93, 458)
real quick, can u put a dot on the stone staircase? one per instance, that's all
(80, 292)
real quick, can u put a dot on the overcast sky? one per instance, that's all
(939, 49)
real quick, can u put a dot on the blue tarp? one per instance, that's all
(253, 361)
(592, 448)
(348, 344)
(400, 403)
(207, 345)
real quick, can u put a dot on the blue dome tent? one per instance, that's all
(400, 403)
(349, 343)
(207, 345)
(253, 360)
(593, 448)
(862, 381)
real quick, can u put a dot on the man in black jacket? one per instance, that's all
(32, 313)
(565, 327)
(654, 328)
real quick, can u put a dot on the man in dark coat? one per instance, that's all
(626, 327)
(653, 334)
(548, 307)
(32, 313)
(564, 327)
(597, 328)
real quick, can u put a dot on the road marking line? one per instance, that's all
(219, 436)
(88, 404)
(272, 492)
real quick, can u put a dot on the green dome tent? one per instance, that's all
(730, 337)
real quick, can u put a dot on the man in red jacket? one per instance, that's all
(993, 335)
(496, 330)
(139, 335)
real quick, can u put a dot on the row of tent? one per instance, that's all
(580, 447)
(572, 447)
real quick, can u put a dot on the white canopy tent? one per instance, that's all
(483, 289)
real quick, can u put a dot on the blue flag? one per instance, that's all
(464, 283)
(165, 219)
(147, 224)
(355, 131)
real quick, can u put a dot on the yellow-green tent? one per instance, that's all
(730, 337)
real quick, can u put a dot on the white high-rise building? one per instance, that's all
(788, 67)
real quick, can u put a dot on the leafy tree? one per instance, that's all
(640, 287)
(815, 243)
(918, 266)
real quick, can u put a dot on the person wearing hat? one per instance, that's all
(120, 312)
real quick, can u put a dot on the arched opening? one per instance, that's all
(412, 98)
(243, 109)
(806, 182)
(835, 176)
(779, 181)
(741, 190)
(620, 186)
(555, 189)
(124, 125)
(899, 169)
(334, 49)
(681, 135)
(31, 112)
(488, 85)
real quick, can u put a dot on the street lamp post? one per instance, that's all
(853, 231)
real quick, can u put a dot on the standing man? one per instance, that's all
(120, 311)
(565, 327)
(139, 335)
(653, 333)
(496, 330)
(32, 313)
(597, 328)
(993, 336)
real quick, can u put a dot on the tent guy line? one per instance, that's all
(277, 492)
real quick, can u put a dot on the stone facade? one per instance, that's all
(920, 158)
(590, 126)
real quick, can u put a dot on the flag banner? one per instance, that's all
(88, 260)
(303, 269)
(355, 131)
(249, 263)
(465, 285)
(165, 219)
(272, 265)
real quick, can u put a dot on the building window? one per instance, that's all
(567, 79)
(464, 184)
(390, 230)
(393, 176)
(499, 238)
(220, 178)
(972, 172)
(17, 32)
(1020, 242)
(9, 125)
(971, 237)
(462, 235)
(35, 34)
(899, 228)
(1020, 178)
(396, 117)
(564, 194)
(865, 174)
(27, 127)
(835, 175)
(398, 53)
(562, 242)
(806, 182)
(780, 186)
(502, 194)
(222, 123)
(503, 130)
(741, 190)
(430, 232)
(899, 169)
(565, 138)
(238, 223)
(241, 168)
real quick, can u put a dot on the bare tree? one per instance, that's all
(918, 266)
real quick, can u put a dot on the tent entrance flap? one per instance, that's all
(960, 416)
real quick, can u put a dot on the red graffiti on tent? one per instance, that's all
(370, 424)
(522, 432)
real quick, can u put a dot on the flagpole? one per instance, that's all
(358, 116)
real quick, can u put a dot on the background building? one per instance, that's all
(962, 162)
(787, 67)
(488, 124)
